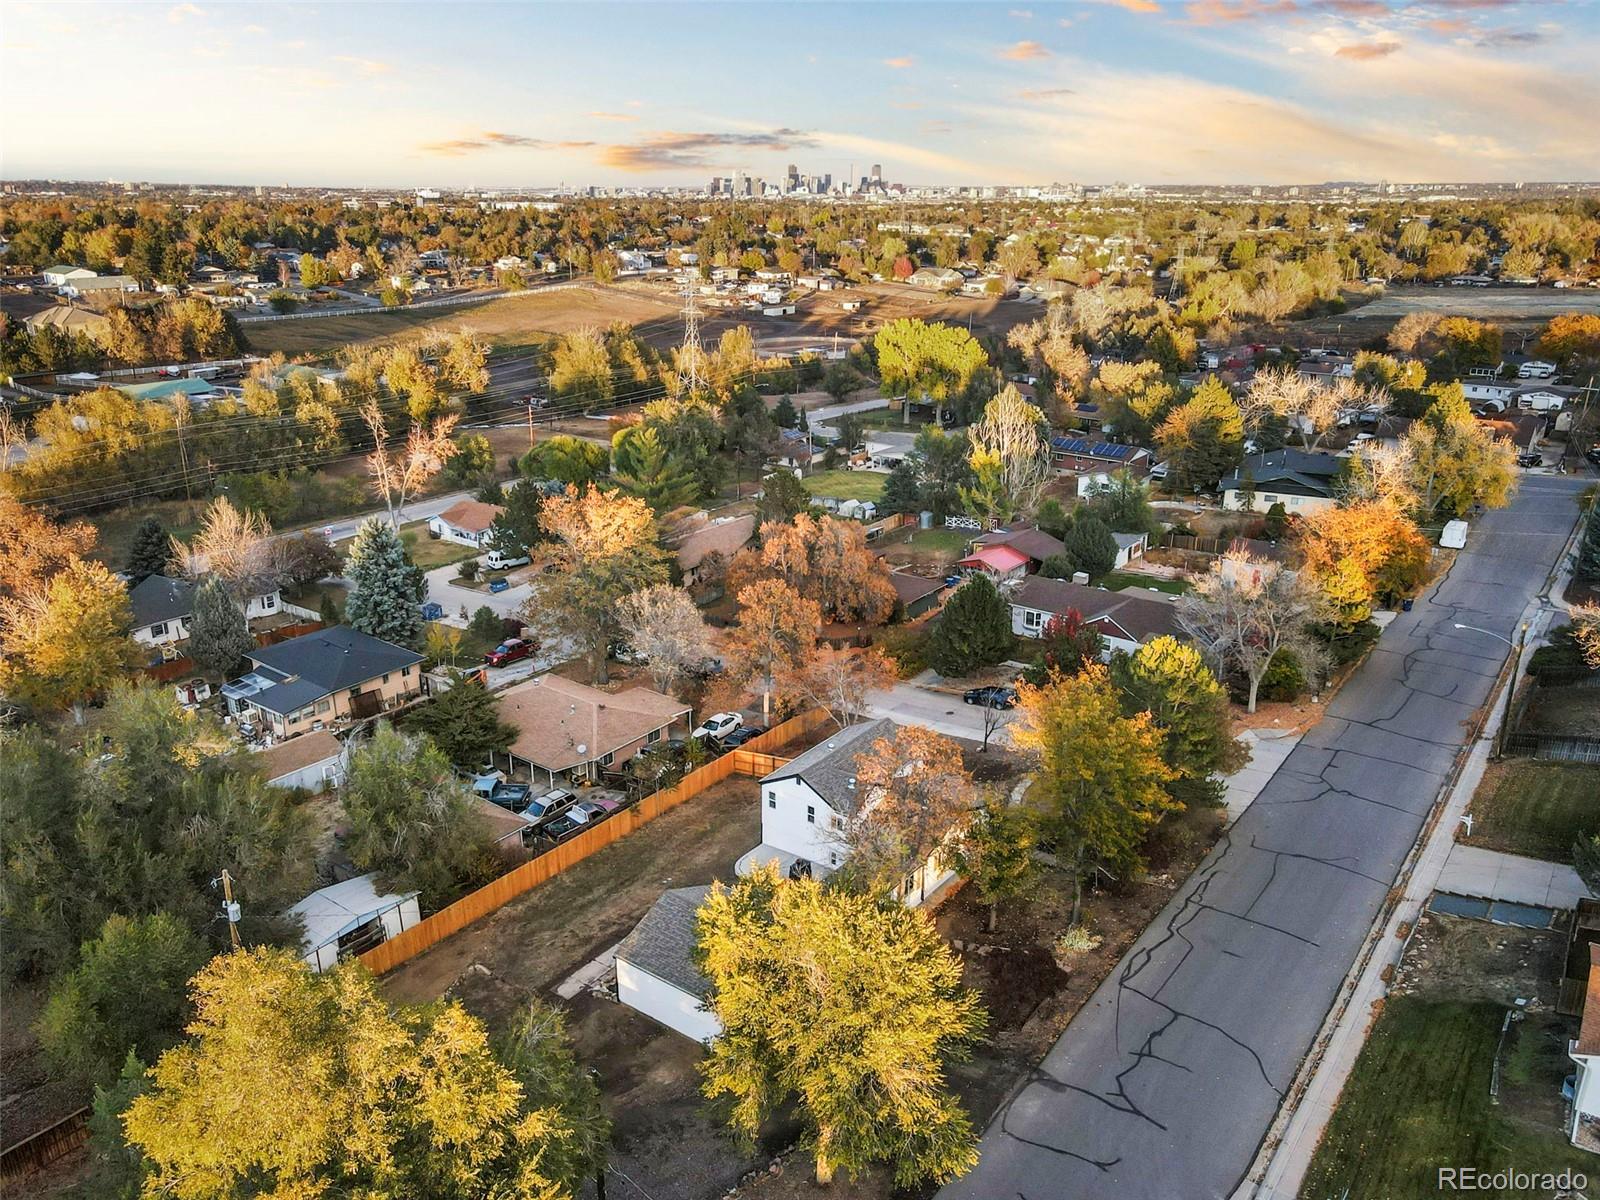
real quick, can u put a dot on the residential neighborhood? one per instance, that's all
(629, 653)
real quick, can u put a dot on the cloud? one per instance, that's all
(1225, 12)
(611, 116)
(255, 29)
(901, 63)
(1037, 94)
(1138, 6)
(179, 13)
(1023, 51)
(686, 151)
(1365, 51)
(367, 66)
(1355, 8)
(1021, 14)
(936, 127)
(1495, 38)
(1448, 25)
(491, 139)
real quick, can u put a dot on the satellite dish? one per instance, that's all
(582, 749)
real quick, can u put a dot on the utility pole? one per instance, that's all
(230, 909)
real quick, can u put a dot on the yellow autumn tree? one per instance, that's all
(1363, 552)
(66, 641)
(1099, 777)
(846, 1008)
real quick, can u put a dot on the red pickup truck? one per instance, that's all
(509, 651)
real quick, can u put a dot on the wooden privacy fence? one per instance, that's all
(45, 1147)
(753, 758)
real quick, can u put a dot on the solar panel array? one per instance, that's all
(1068, 445)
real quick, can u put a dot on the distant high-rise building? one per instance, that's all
(877, 172)
(716, 185)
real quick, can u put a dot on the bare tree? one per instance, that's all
(1312, 407)
(664, 628)
(913, 794)
(1246, 611)
(840, 680)
(397, 476)
(236, 546)
(1018, 433)
(994, 719)
(1378, 472)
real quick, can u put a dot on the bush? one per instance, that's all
(1285, 678)
(486, 624)
(1345, 646)
(906, 647)
(468, 569)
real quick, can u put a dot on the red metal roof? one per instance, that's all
(996, 558)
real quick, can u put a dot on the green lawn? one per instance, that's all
(1122, 579)
(1419, 1100)
(1524, 806)
(311, 596)
(846, 485)
(426, 552)
(889, 418)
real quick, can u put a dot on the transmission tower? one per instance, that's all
(689, 381)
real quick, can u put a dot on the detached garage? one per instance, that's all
(655, 967)
(349, 918)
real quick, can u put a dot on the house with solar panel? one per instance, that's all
(1079, 456)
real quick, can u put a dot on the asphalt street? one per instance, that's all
(1166, 1082)
(942, 712)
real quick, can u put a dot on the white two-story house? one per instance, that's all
(807, 806)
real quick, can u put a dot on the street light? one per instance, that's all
(1516, 658)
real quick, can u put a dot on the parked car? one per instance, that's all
(742, 735)
(496, 561)
(513, 797)
(499, 585)
(550, 805)
(991, 697)
(509, 651)
(1530, 458)
(718, 725)
(1593, 455)
(600, 806)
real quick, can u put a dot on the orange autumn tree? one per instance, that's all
(826, 559)
(1362, 552)
(773, 639)
(914, 791)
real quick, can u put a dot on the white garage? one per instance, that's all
(655, 968)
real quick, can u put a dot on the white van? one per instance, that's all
(496, 561)
(1454, 535)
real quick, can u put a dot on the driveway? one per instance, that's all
(910, 704)
(444, 590)
(1165, 1083)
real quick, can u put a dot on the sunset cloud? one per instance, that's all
(1037, 94)
(681, 151)
(491, 139)
(901, 63)
(1365, 51)
(1226, 12)
(1023, 51)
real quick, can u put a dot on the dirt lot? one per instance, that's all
(1519, 309)
(540, 938)
(515, 320)
(1564, 710)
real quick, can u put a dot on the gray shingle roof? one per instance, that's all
(1287, 470)
(158, 598)
(334, 658)
(663, 942)
(830, 767)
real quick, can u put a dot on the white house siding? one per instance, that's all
(664, 1002)
(1586, 1090)
(313, 777)
(1030, 622)
(1292, 504)
(798, 821)
(462, 537)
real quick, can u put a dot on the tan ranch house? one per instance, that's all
(316, 680)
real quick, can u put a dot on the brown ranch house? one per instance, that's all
(320, 679)
(569, 732)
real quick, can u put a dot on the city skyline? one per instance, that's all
(1154, 91)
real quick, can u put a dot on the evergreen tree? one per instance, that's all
(1586, 565)
(785, 413)
(464, 722)
(641, 465)
(995, 852)
(150, 553)
(518, 527)
(389, 588)
(973, 631)
(219, 635)
(902, 491)
(783, 498)
(1090, 546)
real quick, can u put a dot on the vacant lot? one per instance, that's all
(1521, 309)
(540, 938)
(846, 485)
(1419, 1097)
(930, 550)
(523, 319)
(1524, 806)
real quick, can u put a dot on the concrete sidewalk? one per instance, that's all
(1493, 875)
(1268, 748)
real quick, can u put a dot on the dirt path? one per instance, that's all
(541, 937)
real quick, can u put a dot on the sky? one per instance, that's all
(517, 94)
